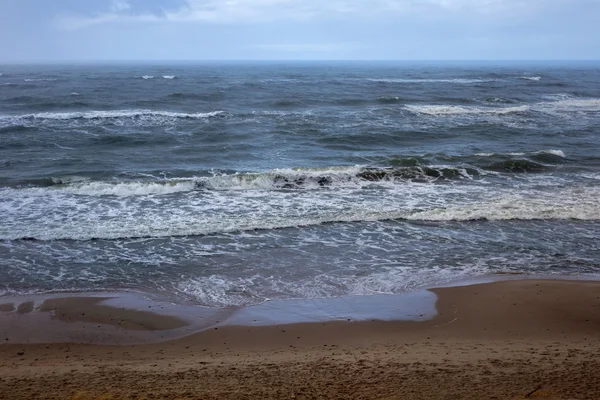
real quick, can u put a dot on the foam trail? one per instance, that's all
(39, 79)
(555, 152)
(441, 110)
(558, 153)
(109, 115)
(568, 104)
(579, 204)
(196, 214)
(455, 80)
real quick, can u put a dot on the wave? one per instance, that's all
(207, 96)
(444, 110)
(518, 166)
(560, 106)
(531, 78)
(454, 80)
(281, 179)
(206, 216)
(169, 77)
(392, 170)
(500, 100)
(554, 152)
(575, 204)
(100, 115)
(569, 105)
(147, 77)
(389, 99)
(39, 79)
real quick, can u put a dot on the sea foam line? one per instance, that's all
(206, 219)
(408, 80)
(550, 107)
(110, 115)
(440, 110)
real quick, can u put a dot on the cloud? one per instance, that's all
(258, 11)
(119, 6)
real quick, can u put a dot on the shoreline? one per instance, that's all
(126, 318)
(492, 340)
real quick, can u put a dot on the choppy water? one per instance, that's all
(227, 184)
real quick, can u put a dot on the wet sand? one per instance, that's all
(501, 340)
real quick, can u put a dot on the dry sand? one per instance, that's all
(499, 340)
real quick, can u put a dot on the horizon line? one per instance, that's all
(124, 60)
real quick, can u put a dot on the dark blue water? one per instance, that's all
(226, 184)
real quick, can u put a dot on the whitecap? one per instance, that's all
(89, 115)
(39, 79)
(444, 110)
(574, 203)
(408, 80)
(169, 76)
(554, 152)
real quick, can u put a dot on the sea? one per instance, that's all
(227, 184)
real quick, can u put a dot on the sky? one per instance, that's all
(105, 30)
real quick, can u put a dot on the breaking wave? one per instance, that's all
(204, 216)
(455, 80)
(560, 105)
(283, 179)
(102, 115)
(441, 110)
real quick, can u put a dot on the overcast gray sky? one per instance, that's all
(52, 30)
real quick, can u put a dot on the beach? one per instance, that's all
(282, 229)
(500, 340)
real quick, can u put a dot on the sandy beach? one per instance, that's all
(504, 340)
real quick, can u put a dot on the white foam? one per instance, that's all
(531, 78)
(76, 211)
(39, 79)
(63, 147)
(169, 76)
(561, 106)
(573, 203)
(445, 110)
(569, 104)
(126, 189)
(110, 114)
(453, 80)
(339, 176)
(558, 153)
(74, 94)
(147, 77)
(64, 180)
